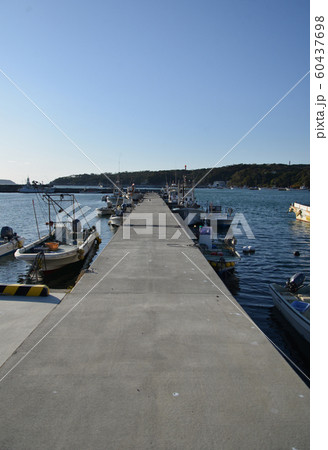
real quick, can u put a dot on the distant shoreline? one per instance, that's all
(7, 189)
(237, 175)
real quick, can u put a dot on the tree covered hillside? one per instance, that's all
(266, 175)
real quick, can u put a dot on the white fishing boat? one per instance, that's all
(124, 203)
(132, 194)
(105, 210)
(188, 206)
(66, 243)
(191, 213)
(171, 197)
(223, 217)
(9, 241)
(293, 301)
(116, 219)
(302, 212)
(220, 253)
(116, 196)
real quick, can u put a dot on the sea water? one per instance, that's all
(275, 235)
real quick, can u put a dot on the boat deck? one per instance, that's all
(62, 248)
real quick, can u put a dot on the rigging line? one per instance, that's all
(59, 129)
(252, 128)
(41, 207)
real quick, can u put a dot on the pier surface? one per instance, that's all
(150, 351)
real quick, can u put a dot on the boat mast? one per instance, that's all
(49, 221)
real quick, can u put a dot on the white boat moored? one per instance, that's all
(9, 241)
(302, 212)
(52, 254)
(66, 243)
(105, 210)
(220, 253)
(293, 301)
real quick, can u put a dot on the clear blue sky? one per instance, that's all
(151, 84)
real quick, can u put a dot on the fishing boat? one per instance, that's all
(105, 210)
(124, 203)
(132, 194)
(116, 219)
(172, 195)
(223, 217)
(188, 207)
(9, 241)
(66, 242)
(116, 196)
(293, 301)
(302, 212)
(220, 253)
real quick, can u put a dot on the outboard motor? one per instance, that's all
(295, 282)
(7, 233)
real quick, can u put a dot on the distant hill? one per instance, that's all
(6, 182)
(264, 175)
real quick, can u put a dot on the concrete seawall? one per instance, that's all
(150, 351)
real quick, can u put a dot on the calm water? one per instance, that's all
(277, 236)
(16, 211)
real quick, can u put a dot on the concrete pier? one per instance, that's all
(150, 351)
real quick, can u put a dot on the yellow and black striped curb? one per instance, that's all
(27, 290)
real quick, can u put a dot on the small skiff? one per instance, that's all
(9, 241)
(293, 301)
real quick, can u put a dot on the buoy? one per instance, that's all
(26, 290)
(297, 253)
(248, 249)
